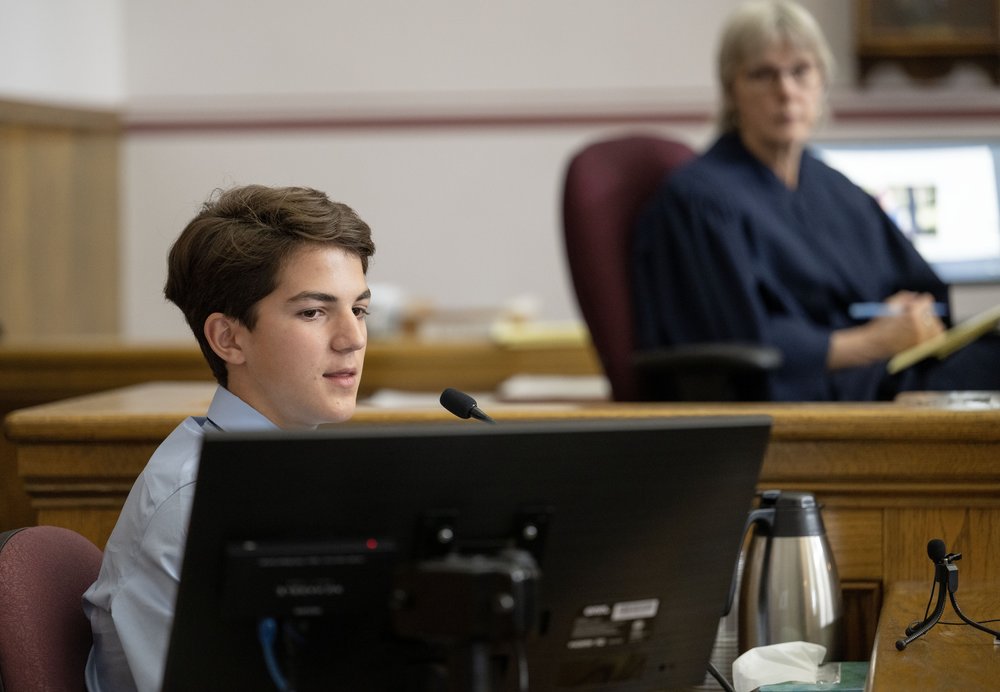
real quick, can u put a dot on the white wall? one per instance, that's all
(462, 217)
(62, 51)
(446, 123)
(465, 214)
(298, 47)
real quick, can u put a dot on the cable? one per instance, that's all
(965, 624)
(719, 678)
(522, 665)
(927, 610)
(267, 633)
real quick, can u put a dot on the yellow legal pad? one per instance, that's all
(946, 343)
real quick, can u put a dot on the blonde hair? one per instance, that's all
(751, 29)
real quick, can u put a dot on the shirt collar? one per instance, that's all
(229, 413)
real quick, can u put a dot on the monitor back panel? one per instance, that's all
(644, 522)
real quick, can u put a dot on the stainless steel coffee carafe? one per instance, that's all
(790, 589)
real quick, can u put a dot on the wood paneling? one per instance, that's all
(58, 221)
(40, 371)
(973, 531)
(856, 539)
(862, 603)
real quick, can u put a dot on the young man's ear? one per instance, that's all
(221, 333)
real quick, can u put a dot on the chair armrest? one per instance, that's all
(718, 355)
(717, 371)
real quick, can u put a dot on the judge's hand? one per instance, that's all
(915, 323)
(884, 337)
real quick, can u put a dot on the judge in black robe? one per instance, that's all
(759, 241)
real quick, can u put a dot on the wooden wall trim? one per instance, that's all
(64, 116)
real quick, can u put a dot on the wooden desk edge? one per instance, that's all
(905, 602)
(161, 405)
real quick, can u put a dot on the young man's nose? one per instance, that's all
(350, 334)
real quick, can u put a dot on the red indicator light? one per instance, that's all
(371, 544)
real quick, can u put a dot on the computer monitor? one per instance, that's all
(943, 196)
(556, 555)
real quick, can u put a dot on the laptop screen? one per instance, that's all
(561, 554)
(942, 195)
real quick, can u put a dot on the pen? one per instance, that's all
(867, 311)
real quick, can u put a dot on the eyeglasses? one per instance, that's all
(804, 75)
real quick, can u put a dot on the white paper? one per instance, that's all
(775, 663)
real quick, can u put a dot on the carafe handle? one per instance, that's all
(763, 516)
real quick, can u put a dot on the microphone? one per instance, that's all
(946, 584)
(939, 554)
(936, 550)
(463, 405)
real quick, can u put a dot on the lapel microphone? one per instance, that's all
(946, 584)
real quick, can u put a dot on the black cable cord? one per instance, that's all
(714, 672)
(981, 622)
(930, 599)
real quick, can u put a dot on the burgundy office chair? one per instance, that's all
(44, 636)
(606, 185)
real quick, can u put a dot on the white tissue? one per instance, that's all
(768, 665)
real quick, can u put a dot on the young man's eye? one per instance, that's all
(310, 313)
(361, 311)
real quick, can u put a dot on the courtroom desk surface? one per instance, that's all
(141, 410)
(948, 657)
(888, 477)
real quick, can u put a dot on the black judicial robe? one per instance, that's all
(726, 252)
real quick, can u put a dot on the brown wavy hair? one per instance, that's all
(229, 256)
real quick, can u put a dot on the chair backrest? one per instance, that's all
(44, 636)
(606, 185)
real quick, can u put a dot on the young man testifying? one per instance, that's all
(272, 281)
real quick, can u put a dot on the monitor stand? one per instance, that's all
(472, 604)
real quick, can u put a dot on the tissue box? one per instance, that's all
(852, 679)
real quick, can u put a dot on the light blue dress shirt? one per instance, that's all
(131, 605)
